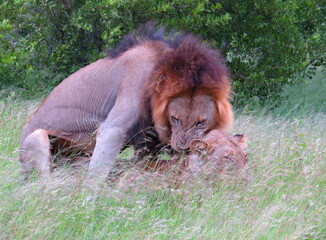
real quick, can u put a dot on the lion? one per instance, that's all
(218, 154)
(171, 84)
(217, 151)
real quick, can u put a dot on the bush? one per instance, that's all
(14, 59)
(263, 44)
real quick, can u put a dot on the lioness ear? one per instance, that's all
(242, 139)
(160, 83)
(199, 146)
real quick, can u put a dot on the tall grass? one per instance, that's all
(306, 98)
(285, 199)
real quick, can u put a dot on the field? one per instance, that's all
(285, 200)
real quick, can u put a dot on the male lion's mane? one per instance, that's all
(147, 33)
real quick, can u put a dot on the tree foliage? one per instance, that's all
(42, 41)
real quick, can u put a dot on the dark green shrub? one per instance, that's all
(264, 43)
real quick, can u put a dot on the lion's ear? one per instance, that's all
(160, 83)
(200, 146)
(225, 115)
(241, 139)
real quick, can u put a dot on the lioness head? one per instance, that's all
(218, 151)
(216, 154)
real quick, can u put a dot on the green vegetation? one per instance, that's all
(285, 199)
(42, 42)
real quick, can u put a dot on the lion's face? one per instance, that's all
(190, 118)
(218, 151)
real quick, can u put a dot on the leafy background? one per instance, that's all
(265, 45)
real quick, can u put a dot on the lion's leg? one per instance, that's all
(35, 155)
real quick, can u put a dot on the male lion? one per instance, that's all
(172, 83)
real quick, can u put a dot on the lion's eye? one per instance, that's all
(162, 77)
(200, 123)
(175, 120)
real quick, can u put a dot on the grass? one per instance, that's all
(285, 200)
(304, 99)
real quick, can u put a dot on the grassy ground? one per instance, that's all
(285, 200)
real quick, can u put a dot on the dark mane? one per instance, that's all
(147, 32)
(195, 64)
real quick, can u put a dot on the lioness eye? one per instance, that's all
(176, 120)
(200, 123)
